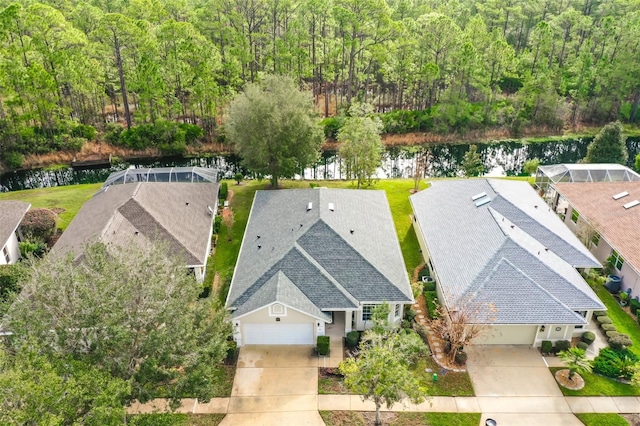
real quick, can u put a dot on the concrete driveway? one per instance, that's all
(275, 385)
(514, 387)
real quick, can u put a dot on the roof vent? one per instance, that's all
(480, 195)
(631, 204)
(309, 206)
(482, 201)
(620, 195)
(332, 206)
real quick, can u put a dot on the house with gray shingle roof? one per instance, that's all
(177, 214)
(313, 257)
(496, 248)
(11, 214)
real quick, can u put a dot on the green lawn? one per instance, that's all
(624, 322)
(356, 418)
(175, 419)
(595, 419)
(596, 385)
(449, 384)
(68, 198)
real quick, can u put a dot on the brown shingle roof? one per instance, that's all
(620, 227)
(176, 213)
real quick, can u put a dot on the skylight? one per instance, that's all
(631, 204)
(620, 195)
(482, 201)
(480, 195)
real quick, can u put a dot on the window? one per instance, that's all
(397, 311)
(367, 310)
(5, 252)
(616, 260)
(596, 239)
(574, 216)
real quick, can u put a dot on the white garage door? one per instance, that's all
(278, 334)
(508, 335)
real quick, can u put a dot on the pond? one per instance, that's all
(499, 158)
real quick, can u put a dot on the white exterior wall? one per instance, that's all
(13, 248)
(264, 316)
(393, 320)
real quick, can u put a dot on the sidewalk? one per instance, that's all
(436, 404)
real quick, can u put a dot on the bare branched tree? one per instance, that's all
(457, 326)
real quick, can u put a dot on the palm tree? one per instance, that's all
(576, 360)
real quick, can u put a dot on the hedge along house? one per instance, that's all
(11, 214)
(312, 257)
(497, 250)
(177, 214)
(606, 216)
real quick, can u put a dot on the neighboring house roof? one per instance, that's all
(339, 254)
(619, 226)
(177, 214)
(504, 253)
(11, 214)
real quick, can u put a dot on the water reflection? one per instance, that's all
(499, 158)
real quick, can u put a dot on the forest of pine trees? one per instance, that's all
(463, 65)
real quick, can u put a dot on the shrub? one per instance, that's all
(562, 345)
(224, 191)
(546, 347)
(610, 362)
(611, 334)
(11, 278)
(410, 314)
(582, 345)
(84, 131)
(352, 339)
(620, 341)
(431, 298)
(588, 337)
(192, 132)
(13, 160)
(38, 224)
(232, 349)
(608, 327)
(323, 345)
(597, 314)
(634, 305)
(603, 319)
(74, 144)
(112, 133)
(217, 224)
(35, 248)
(238, 177)
(461, 358)
(429, 286)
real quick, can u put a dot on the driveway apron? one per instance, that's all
(513, 386)
(275, 385)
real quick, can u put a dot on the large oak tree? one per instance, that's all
(274, 128)
(133, 312)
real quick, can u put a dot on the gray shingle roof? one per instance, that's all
(316, 251)
(11, 214)
(512, 256)
(175, 213)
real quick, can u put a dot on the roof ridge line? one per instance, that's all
(324, 272)
(534, 282)
(320, 219)
(155, 221)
